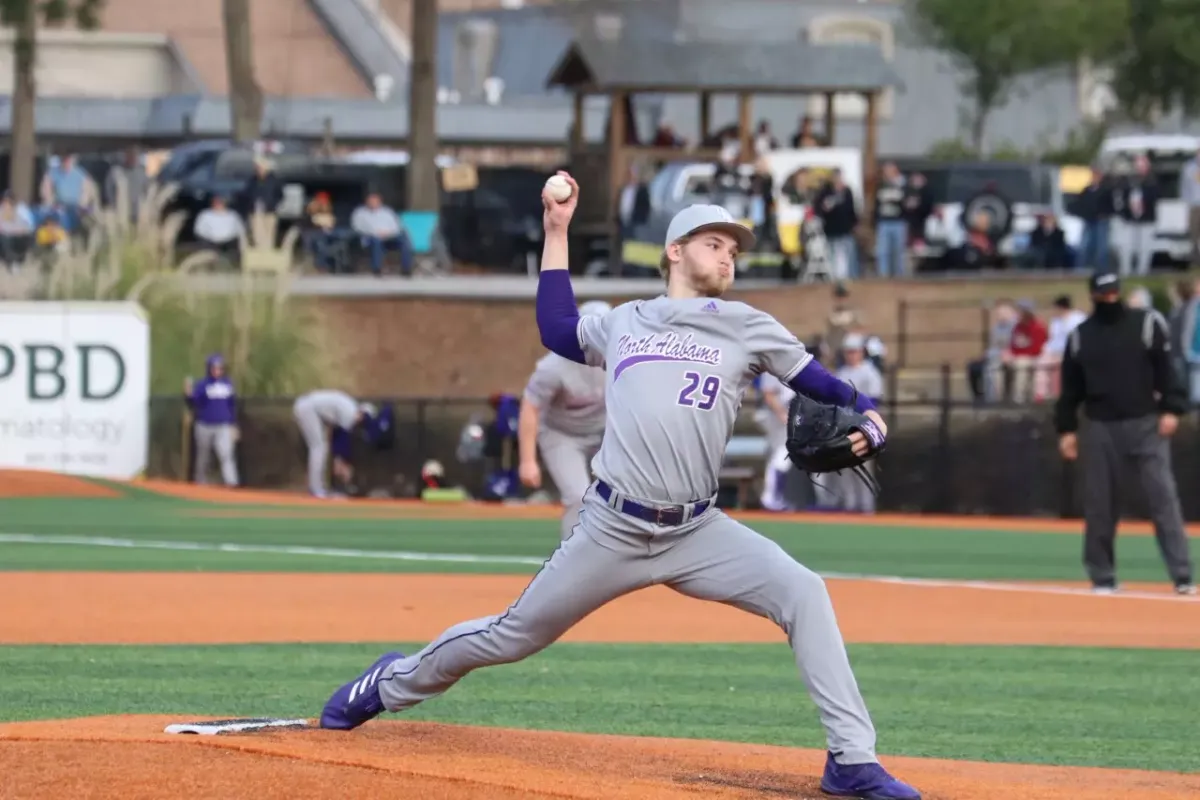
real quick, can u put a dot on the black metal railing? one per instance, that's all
(948, 453)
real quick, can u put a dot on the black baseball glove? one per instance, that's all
(818, 438)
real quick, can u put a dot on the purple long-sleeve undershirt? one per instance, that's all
(816, 382)
(558, 316)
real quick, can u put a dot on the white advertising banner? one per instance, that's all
(75, 388)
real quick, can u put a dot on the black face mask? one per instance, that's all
(1108, 311)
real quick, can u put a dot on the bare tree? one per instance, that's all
(422, 108)
(245, 95)
(23, 17)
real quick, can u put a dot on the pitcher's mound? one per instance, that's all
(130, 757)
(31, 483)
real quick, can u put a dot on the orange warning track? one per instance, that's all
(130, 757)
(30, 483)
(184, 608)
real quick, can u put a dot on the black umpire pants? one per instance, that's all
(1107, 449)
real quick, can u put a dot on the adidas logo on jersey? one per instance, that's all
(711, 307)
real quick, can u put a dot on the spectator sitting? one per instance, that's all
(764, 140)
(1047, 246)
(1028, 340)
(16, 231)
(220, 229)
(67, 186)
(380, 230)
(262, 192)
(51, 237)
(320, 235)
(978, 251)
(1064, 320)
(983, 372)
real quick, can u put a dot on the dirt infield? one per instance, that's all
(30, 483)
(129, 757)
(183, 608)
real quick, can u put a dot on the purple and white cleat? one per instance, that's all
(358, 701)
(864, 781)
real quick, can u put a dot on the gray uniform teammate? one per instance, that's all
(677, 367)
(562, 415)
(316, 410)
(772, 419)
(853, 493)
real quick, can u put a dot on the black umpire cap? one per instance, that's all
(1105, 282)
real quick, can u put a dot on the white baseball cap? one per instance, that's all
(699, 218)
(368, 409)
(594, 308)
(853, 341)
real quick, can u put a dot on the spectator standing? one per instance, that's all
(263, 191)
(380, 230)
(1139, 219)
(1096, 209)
(1029, 338)
(1117, 366)
(16, 231)
(1189, 193)
(1189, 340)
(891, 227)
(214, 406)
(132, 173)
(859, 372)
(918, 207)
(804, 136)
(839, 219)
(1064, 320)
(220, 229)
(762, 207)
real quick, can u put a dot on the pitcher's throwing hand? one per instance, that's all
(557, 215)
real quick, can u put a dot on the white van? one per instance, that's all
(1168, 153)
(820, 163)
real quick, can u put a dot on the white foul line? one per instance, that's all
(289, 550)
(470, 558)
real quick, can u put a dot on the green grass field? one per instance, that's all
(1080, 706)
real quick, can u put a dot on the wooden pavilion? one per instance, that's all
(625, 68)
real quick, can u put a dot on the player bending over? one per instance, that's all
(677, 366)
(562, 415)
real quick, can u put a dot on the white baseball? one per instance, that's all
(558, 188)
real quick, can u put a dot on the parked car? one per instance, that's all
(1012, 194)
(1168, 154)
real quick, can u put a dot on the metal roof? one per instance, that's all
(670, 66)
(526, 120)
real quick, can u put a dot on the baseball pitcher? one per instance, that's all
(320, 413)
(214, 406)
(562, 415)
(676, 368)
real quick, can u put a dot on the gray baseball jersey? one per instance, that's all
(330, 406)
(677, 371)
(863, 376)
(569, 395)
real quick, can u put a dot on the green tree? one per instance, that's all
(997, 43)
(1157, 62)
(24, 17)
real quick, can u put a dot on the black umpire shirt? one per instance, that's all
(1118, 366)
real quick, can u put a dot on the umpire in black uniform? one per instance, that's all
(1117, 365)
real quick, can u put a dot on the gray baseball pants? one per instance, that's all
(610, 554)
(568, 459)
(218, 438)
(317, 441)
(1106, 448)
